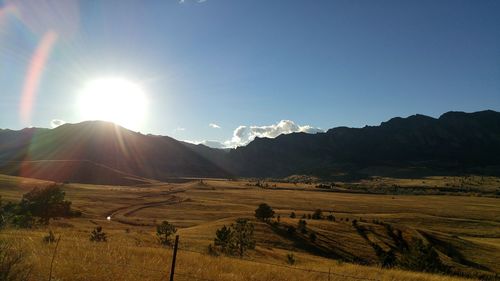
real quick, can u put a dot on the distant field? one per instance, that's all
(469, 225)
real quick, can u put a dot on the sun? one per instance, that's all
(116, 100)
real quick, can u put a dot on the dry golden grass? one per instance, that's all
(132, 252)
(122, 258)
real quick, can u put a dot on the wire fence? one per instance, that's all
(149, 273)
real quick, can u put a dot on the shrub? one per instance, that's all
(264, 212)
(25, 220)
(45, 203)
(49, 238)
(13, 266)
(330, 218)
(290, 230)
(317, 215)
(164, 231)
(98, 235)
(290, 258)
(292, 215)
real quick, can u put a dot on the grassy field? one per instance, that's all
(464, 229)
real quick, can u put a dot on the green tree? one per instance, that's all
(293, 215)
(264, 212)
(45, 203)
(243, 236)
(224, 239)
(164, 231)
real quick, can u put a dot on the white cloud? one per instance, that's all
(213, 125)
(56, 123)
(179, 129)
(245, 134)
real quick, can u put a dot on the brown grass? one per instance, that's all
(132, 252)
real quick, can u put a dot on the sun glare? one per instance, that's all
(113, 99)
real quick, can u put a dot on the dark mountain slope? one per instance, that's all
(454, 141)
(154, 157)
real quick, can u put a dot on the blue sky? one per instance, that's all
(254, 63)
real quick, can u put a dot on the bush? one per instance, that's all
(264, 212)
(290, 230)
(317, 215)
(13, 266)
(164, 231)
(292, 215)
(97, 235)
(49, 238)
(290, 259)
(23, 220)
(331, 218)
(45, 204)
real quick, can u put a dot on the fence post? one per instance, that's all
(54, 257)
(172, 269)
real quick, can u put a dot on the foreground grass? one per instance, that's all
(125, 258)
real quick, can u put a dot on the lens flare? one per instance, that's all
(34, 74)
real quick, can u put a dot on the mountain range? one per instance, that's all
(104, 153)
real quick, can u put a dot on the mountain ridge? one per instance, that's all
(455, 142)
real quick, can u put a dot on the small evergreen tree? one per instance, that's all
(243, 236)
(97, 235)
(290, 259)
(290, 230)
(224, 239)
(164, 231)
(264, 212)
(292, 215)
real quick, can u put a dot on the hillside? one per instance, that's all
(456, 143)
(102, 143)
